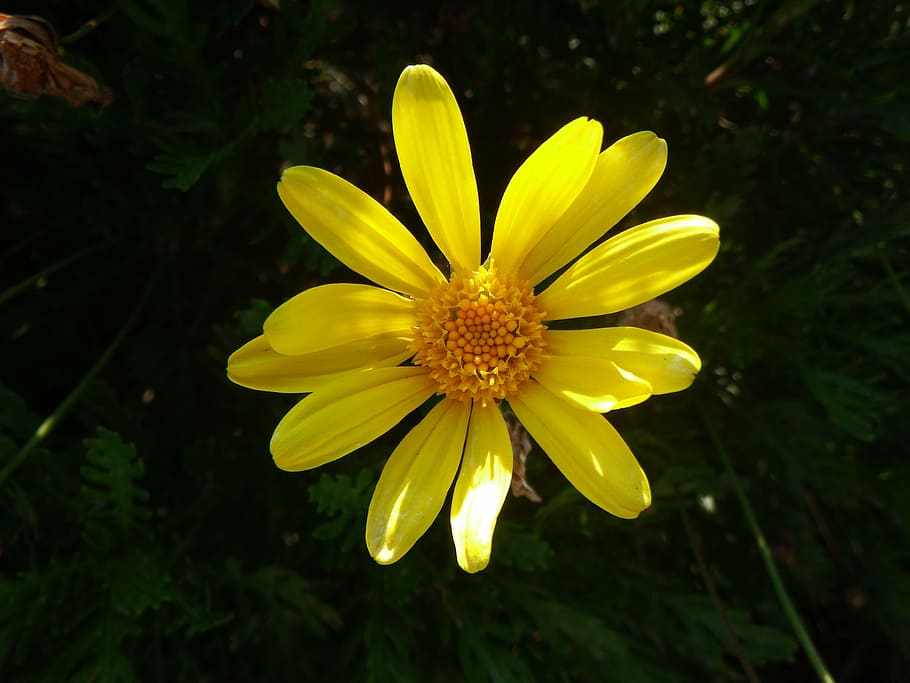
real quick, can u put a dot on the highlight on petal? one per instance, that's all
(481, 487)
(334, 315)
(415, 481)
(542, 189)
(591, 382)
(346, 414)
(586, 449)
(635, 266)
(357, 230)
(665, 363)
(256, 365)
(435, 159)
(624, 174)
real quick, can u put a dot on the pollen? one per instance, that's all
(480, 334)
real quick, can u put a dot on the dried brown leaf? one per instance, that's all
(521, 447)
(30, 64)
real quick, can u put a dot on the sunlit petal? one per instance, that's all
(338, 314)
(586, 449)
(415, 481)
(635, 266)
(625, 172)
(347, 414)
(257, 366)
(592, 382)
(542, 189)
(665, 363)
(357, 230)
(481, 487)
(435, 159)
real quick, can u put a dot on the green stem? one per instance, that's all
(799, 628)
(89, 26)
(20, 287)
(892, 276)
(66, 405)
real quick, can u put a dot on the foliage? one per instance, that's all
(147, 535)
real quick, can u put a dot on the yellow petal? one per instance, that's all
(635, 266)
(435, 159)
(357, 230)
(415, 481)
(542, 189)
(347, 414)
(338, 314)
(586, 449)
(663, 362)
(625, 172)
(481, 487)
(593, 383)
(257, 366)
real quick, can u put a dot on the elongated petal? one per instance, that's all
(481, 487)
(346, 414)
(338, 314)
(415, 481)
(435, 159)
(357, 230)
(586, 449)
(663, 362)
(257, 366)
(635, 266)
(542, 189)
(593, 383)
(625, 172)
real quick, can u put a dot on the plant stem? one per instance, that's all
(89, 26)
(892, 276)
(799, 628)
(47, 426)
(28, 282)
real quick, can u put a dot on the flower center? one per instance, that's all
(481, 335)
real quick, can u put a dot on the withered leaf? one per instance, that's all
(30, 64)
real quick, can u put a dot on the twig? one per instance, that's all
(738, 649)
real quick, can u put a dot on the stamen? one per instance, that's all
(481, 335)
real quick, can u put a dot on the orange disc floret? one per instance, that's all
(481, 335)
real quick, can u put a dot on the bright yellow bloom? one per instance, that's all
(479, 336)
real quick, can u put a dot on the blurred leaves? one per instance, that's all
(150, 536)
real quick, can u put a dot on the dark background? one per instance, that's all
(147, 536)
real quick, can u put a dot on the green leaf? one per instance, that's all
(111, 481)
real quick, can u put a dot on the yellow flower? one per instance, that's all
(479, 336)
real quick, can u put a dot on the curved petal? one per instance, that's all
(542, 189)
(435, 159)
(663, 362)
(357, 230)
(591, 382)
(481, 487)
(586, 449)
(635, 266)
(256, 365)
(346, 414)
(625, 173)
(415, 481)
(338, 314)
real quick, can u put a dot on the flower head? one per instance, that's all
(478, 337)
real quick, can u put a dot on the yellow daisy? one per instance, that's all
(477, 337)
